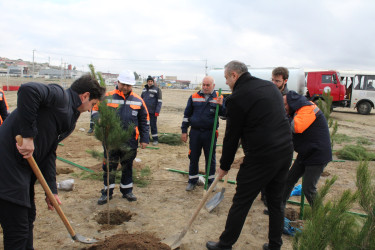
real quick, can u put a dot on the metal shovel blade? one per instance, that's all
(84, 239)
(173, 242)
(215, 201)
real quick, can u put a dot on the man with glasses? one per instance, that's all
(280, 77)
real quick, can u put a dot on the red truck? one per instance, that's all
(348, 89)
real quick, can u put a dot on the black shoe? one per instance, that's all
(90, 130)
(214, 189)
(129, 197)
(265, 211)
(190, 186)
(216, 246)
(103, 199)
(265, 246)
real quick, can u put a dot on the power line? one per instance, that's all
(123, 59)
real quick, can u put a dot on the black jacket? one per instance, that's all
(48, 113)
(311, 137)
(256, 115)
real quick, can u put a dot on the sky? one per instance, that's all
(186, 38)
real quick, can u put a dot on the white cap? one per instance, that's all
(126, 77)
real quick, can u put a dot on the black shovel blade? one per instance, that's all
(215, 201)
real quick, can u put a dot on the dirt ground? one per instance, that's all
(163, 207)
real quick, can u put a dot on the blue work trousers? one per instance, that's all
(153, 126)
(198, 139)
(126, 161)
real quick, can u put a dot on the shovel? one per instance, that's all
(175, 241)
(215, 201)
(51, 197)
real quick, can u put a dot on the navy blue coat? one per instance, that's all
(153, 98)
(311, 137)
(48, 113)
(199, 113)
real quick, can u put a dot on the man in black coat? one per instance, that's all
(45, 115)
(255, 115)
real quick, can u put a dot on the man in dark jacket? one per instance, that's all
(132, 110)
(3, 107)
(45, 115)
(200, 116)
(254, 115)
(311, 141)
(152, 96)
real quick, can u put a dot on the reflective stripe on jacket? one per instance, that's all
(200, 113)
(131, 110)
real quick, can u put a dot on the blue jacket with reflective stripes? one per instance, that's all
(153, 98)
(199, 113)
(131, 109)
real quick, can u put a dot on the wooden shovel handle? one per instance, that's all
(225, 180)
(51, 197)
(204, 199)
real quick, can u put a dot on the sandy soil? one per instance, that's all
(164, 207)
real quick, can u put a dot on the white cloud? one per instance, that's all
(139, 35)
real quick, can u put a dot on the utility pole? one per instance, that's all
(33, 62)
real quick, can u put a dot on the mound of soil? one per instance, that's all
(117, 217)
(291, 214)
(137, 241)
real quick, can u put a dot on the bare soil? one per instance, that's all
(163, 207)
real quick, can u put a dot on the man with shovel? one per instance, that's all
(45, 115)
(200, 115)
(256, 116)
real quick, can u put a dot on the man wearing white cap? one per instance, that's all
(131, 110)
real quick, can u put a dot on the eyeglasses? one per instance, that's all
(276, 81)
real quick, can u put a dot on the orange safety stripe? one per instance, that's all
(136, 133)
(143, 103)
(303, 118)
(5, 100)
(1, 121)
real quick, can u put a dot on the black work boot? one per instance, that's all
(129, 196)
(103, 199)
(211, 245)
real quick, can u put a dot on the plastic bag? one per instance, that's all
(296, 190)
(66, 185)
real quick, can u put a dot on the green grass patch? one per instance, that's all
(88, 176)
(141, 177)
(170, 139)
(355, 153)
(363, 141)
(340, 138)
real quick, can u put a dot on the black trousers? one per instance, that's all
(251, 178)
(311, 175)
(17, 223)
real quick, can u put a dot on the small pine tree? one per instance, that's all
(109, 130)
(330, 226)
(325, 106)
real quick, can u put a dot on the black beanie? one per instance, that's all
(150, 78)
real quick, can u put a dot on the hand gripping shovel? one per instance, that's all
(51, 197)
(175, 241)
(215, 201)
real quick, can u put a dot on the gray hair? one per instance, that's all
(236, 66)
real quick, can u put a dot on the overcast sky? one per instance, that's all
(176, 37)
